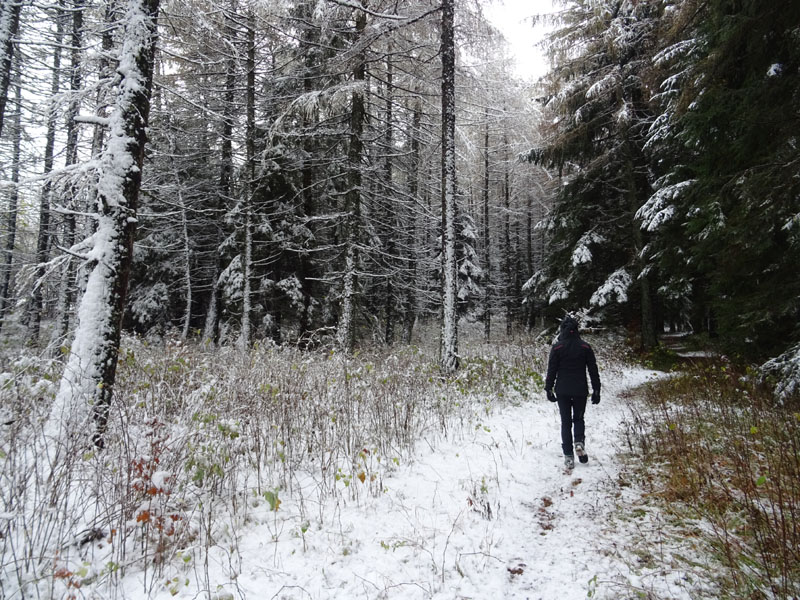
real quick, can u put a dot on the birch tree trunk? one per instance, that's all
(9, 27)
(449, 354)
(352, 208)
(86, 387)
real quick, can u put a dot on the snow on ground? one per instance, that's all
(488, 513)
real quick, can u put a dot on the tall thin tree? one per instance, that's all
(250, 171)
(9, 27)
(449, 352)
(352, 208)
(13, 198)
(43, 237)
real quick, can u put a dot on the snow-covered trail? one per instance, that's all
(489, 515)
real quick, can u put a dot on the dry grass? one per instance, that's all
(716, 450)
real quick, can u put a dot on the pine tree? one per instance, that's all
(600, 99)
(725, 211)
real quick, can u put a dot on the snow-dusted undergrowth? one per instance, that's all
(200, 441)
(282, 474)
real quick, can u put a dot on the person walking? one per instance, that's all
(570, 359)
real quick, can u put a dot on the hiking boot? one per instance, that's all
(581, 452)
(569, 461)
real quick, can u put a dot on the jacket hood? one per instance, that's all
(569, 328)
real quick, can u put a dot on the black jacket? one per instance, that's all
(569, 361)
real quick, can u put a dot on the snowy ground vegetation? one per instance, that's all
(286, 474)
(204, 445)
(721, 459)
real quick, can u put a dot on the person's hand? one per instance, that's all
(596, 397)
(550, 395)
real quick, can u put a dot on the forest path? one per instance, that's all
(687, 356)
(488, 513)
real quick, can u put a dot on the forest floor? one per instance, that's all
(287, 475)
(485, 512)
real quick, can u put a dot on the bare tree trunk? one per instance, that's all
(9, 27)
(187, 266)
(67, 288)
(507, 276)
(247, 261)
(13, 199)
(43, 238)
(211, 330)
(307, 173)
(413, 191)
(352, 208)
(449, 355)
(530, 311)
(250, 141)
(90, 372)
(105, 72)
(649, 339)
(487, 255)
(392, 213)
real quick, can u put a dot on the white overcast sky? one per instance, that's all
(512, 17)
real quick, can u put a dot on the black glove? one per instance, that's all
(596, 397)
(550, 395)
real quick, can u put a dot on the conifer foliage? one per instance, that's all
(726, 192)
(599, 101)
(673, 125)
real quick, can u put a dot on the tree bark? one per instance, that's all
(507, 276)
(649, 339)
(487, 255)
(392, 213)
(413, 191)
(211, 329)
(67, 289)
(449, 352)
(89, 376)
(13, 199)
(43, 237)
(530, 309)
(352, 207)
(187, 258)
(307, 172)
(9, 28)
(250, 145)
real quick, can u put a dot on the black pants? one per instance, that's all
(571, 409)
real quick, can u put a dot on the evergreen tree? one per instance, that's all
(725, 211)
(601, 114)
